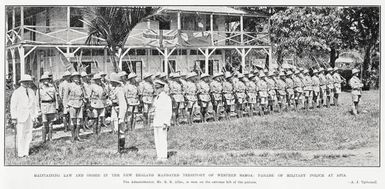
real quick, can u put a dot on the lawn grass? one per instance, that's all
(328, 136)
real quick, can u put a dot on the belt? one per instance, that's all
(47, 101)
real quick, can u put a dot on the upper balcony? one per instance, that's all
(175, 27)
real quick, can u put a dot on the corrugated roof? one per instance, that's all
(206, 9)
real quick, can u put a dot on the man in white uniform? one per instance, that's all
(162, 118)
(24, 110)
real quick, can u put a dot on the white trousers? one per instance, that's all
(114, 117)
(160, 136)
(23, 137)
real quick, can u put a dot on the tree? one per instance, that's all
(306, 31)
(360, 30)
(113, 25)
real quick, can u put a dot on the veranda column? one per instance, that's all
(22, 60)
(13, 65)
(166, 60)
(243, 60)
(22, 24)
(207, 60)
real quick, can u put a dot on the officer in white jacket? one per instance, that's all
(162, 116)
(24, 110)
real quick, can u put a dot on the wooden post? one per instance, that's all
(179, 22)
(22, 23)
(166, 60)
(148, 24)
(270, 58)
(13, 65)
(68, 22)
(241, 20)
(22, 60)
(6, 64)
(212, 29)
(38, 65)
(13, 18)
(243, 60)
(105, 58)
(207, 60)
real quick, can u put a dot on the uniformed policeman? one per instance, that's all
(338, 80)
(228, 96)
(256, 79)
(177, 98)
(281, 91)
(74, 97)
(251, 93)
(298, 89)
(146, 95)
(163, 77)
(263, 92)
(119, 108)
(356, 85)
(239, 93)
(48, 106)
(289, 88)
(204, 99)
(316, 89)
(98, 97)
(62, 87)
(329, 86)
(271, 86)
(132, 99)
(323, 83)
(123, 77)
(307, 88)
(87, 114)
(216, 94)
(191, 95)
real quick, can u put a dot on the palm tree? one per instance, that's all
(113, 25)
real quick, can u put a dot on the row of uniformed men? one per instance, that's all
(261, 89)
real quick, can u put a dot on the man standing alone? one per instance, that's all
(24, 109)
(162, 117)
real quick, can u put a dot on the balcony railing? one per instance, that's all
(138, 37)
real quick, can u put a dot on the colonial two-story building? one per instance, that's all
(210, 38)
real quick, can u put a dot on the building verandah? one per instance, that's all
(33, 47)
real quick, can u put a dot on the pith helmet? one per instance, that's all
(67, 73)
(83, 74)
(25, 78)
(131, 75)
(114, 77)
(204, 75)
(191, 75)
(146, 75)
(122, 73)
(75, 74)
(217, 75)
(228, 75)
(97, 76)
(44, 76)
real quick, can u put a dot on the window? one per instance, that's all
(140, 51)
(75, 17)
(171, 66)
(193, 52)
(218, 52)
(164, 25)
(213, 64)
(154, 52)
(136, 67)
